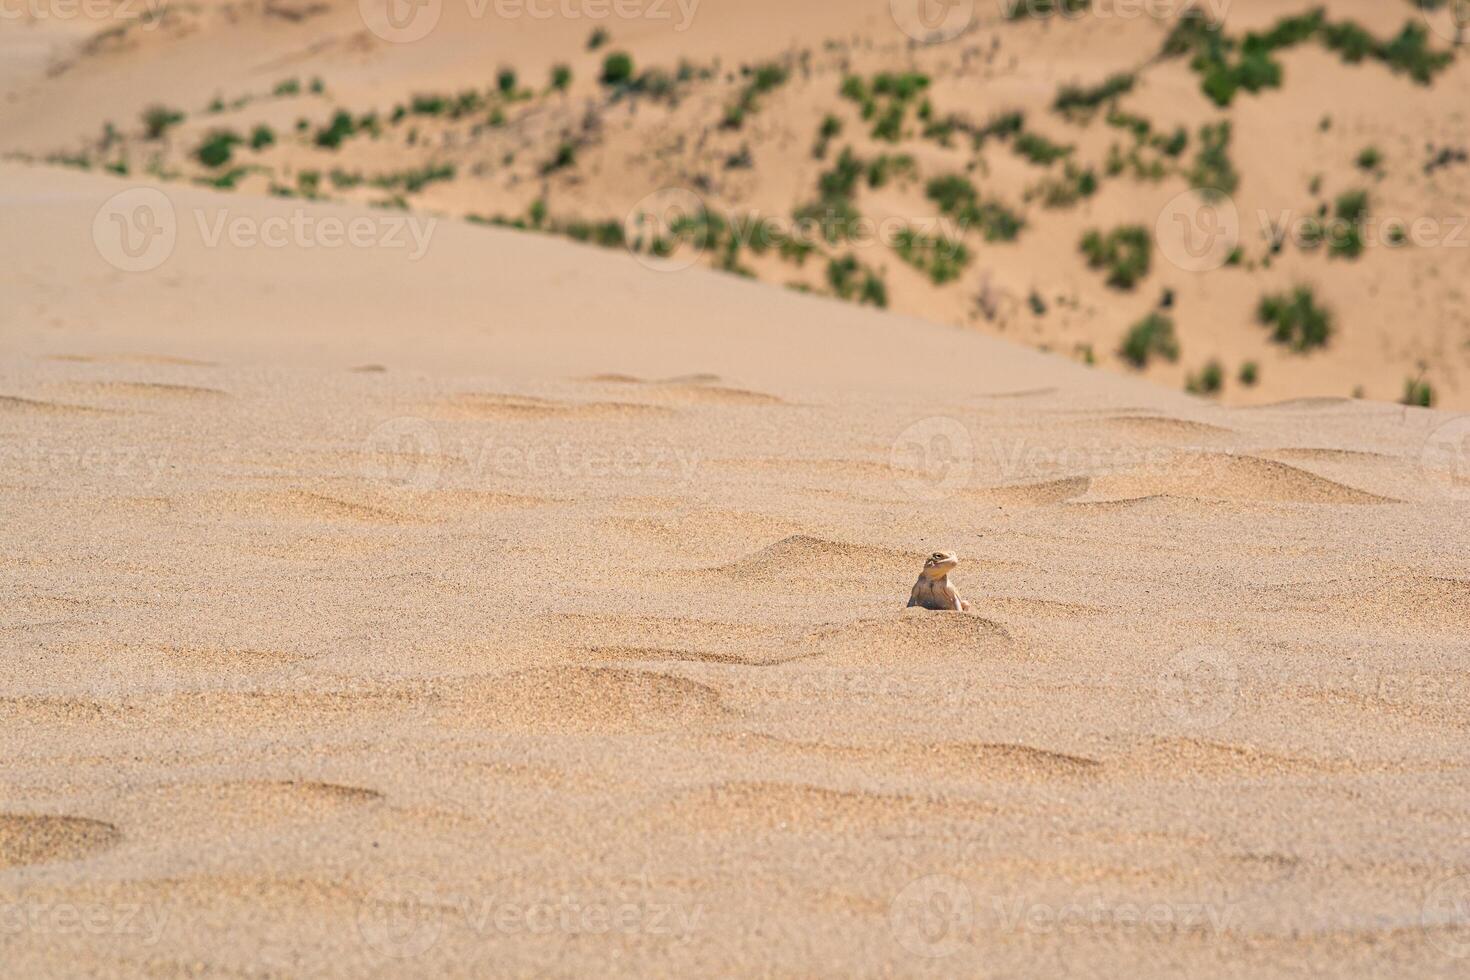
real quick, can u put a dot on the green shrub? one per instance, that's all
(882, 169)
(1073, 185)
(1080, 101)
(1295, 319)
(941, 259)
(1370, 159)
(762, 79)
(1208, 381)
(1153, 335)
(158, 119)
(1213, 171)
(851, 280)
(290, 86)
(261, 137)
(617, 69)
(1250, 374)
(1022, 9)
(1417, 392)
(597, 39)
(565, 157)
(341, 127)
(1039, 150)
(561, 78)
(1125, 252)
(431, 104)
(957, 198)
(218, 147)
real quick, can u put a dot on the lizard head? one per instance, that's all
(940, 564)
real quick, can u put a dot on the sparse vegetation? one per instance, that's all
(159, 119)
(1418, 393)
(561, 78)
(941, 259)
(1370, 159)
(1038, 149)
(1295, 319)
(885, 100)
(1124, 252)
(261, 137)
(1250, 374)
(1150, 337)
(1213, 171)
(1079, 102)
(331, 136)
(762, 79)
(1209, 381)
(830, 129)
(957, 198)
(1073, 185)
(218, 147)
(851, 280)
(1022, 9)
(564, 158)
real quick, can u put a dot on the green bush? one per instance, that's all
(561, 78)
(851, 280)
(1213, 170)
(1417, 392)
(334, 134)
(158, 119)
(1125, 252)
(1295, 319)
(1081, 101)
(261, 137)
(1370, 159)
(957, 198)
(1151, 336)
(218, 147)
(617, 69)
(941, 259)
(1039, 150)
(597, 39)
(1209, 381)
(1250, 374)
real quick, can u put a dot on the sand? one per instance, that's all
(524, 611)
(383, 594)
(1399, 311)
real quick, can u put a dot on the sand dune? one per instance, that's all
(589, 601)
